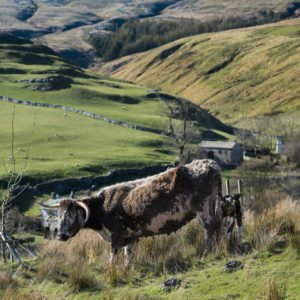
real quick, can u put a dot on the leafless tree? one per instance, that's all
(183, 129)
(14, 189)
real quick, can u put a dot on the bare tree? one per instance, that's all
(14, 189)
(183, 129)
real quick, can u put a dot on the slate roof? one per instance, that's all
(217, 144)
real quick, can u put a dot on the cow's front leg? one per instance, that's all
(240, 229)
(230, 228)
(113, 256)
(128, 253)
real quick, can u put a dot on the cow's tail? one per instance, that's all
(218, 209)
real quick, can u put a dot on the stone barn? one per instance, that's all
(225, 153)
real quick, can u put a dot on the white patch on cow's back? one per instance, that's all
(104, 233)
(177, 213)
(197, 167)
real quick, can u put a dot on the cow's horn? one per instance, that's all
(57, 205)
(85, 207)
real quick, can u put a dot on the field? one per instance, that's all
(68, 144)
(71, 144)
(74, 145)
(235, 74)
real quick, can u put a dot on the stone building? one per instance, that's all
(226, 153)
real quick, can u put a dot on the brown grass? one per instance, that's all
(265, 229)
(71, 261)
(273, 290)
(171, 253)
(6, 280)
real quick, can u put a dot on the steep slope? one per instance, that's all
(234, 74)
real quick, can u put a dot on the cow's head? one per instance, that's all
(228, 203)
(72, 216)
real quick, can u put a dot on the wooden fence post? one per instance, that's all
(227, 187)
(240, 190)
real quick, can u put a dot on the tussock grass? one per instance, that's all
(265, 229)
(71, 261)
(165, 254)
(6, 281)
(275, 289)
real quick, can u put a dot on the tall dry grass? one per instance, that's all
(74, 261)
(171, 253)
(264, 229)
(6, 281)
(273, 290)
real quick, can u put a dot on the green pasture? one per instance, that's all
(73, 145)
(76, 88)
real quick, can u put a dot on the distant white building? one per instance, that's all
(227, 153)
(280, 147)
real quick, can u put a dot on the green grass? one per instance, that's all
(66, 144)
(206, 281)
(235, 74)
(73, 145)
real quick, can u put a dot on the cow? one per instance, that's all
(159, 204)
(230, 206)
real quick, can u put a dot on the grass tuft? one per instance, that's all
(273, 290)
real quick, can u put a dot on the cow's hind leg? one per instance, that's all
(209, 226)
(128, 253)
(113, 256)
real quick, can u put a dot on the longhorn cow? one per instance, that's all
(162, 203)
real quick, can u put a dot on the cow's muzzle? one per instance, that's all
(63, 237)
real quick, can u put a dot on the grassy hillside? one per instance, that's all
(234, 74)
(64, 24)
(70, 144)
(65, 143)
(73, 145)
